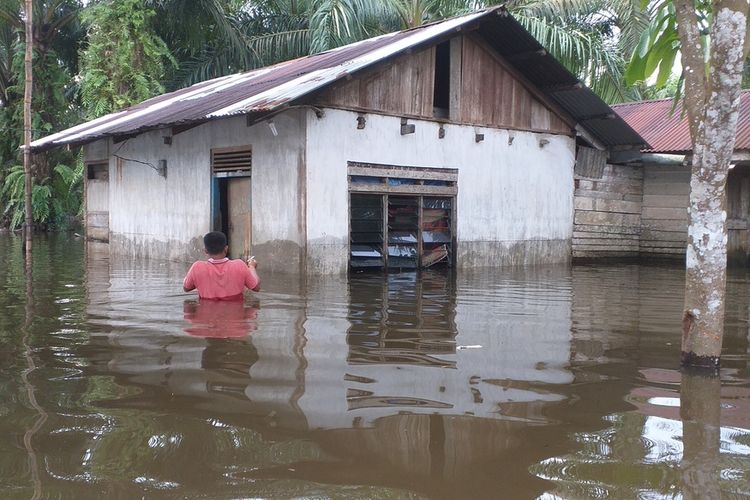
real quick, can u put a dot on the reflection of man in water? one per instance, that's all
(219, 277)
(219, 318)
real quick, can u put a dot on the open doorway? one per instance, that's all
(232, 199)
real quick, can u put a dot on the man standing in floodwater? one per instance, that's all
(221, 278)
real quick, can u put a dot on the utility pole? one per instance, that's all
(28, 222)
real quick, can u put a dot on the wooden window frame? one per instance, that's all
(419, 191)
(417, 174)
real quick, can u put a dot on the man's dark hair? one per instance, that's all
(215, 241)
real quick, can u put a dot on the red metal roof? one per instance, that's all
(667, 131)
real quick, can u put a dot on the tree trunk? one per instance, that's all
(713, 116)
(29, 221)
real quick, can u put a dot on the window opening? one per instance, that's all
(401, 217)
(441, 97)
(366, 235)
(436, 230)
(417, 231)
(97, 171)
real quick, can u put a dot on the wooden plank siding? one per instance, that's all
(493, 96)
(404, 87)
(738, 213)
(484, 91)
(607, 220)
(665, 218)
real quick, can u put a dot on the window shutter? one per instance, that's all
(232, 161)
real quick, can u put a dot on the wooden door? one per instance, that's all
(240, 221)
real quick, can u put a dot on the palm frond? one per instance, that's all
(586, 55)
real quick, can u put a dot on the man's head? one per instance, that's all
(215, 243)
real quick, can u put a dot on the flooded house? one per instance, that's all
(639, 208)
(453, 144)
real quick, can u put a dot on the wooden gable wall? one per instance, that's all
(492, 95)
(402, 87)
(484, 91)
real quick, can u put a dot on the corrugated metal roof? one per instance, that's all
(268, 89)
(667, 131)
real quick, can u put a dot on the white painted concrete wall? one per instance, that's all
(166, 218)
(514, 207)
(515, 201)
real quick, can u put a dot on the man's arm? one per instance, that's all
(252, 280)
(188, 284)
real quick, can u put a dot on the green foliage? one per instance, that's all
(52, 108)
(124, 61)
(657, 49)
(13, 189)
(591, 38)
(52, 200)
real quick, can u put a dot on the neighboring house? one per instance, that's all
(452, 143)
(640, 209)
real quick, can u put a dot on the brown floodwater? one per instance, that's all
(553, 382)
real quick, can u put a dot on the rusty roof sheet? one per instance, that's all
(667, 131)
(268, 89)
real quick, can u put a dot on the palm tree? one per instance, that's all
(204, 37)
(592, 38)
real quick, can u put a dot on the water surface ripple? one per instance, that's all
(553, 382)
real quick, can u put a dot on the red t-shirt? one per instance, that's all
(222, 279)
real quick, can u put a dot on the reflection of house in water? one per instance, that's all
(347, 356)
(402, 319)
(428, 344)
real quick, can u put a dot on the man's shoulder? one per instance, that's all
(238, 263)
(199, 265)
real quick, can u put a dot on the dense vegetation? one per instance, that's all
(92, 58)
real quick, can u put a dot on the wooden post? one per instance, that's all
(455, 82)
(28, 219)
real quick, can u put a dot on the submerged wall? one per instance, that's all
(665, 216)
(643, 212)
(608, 213)
(514, 202)
(632, 211)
